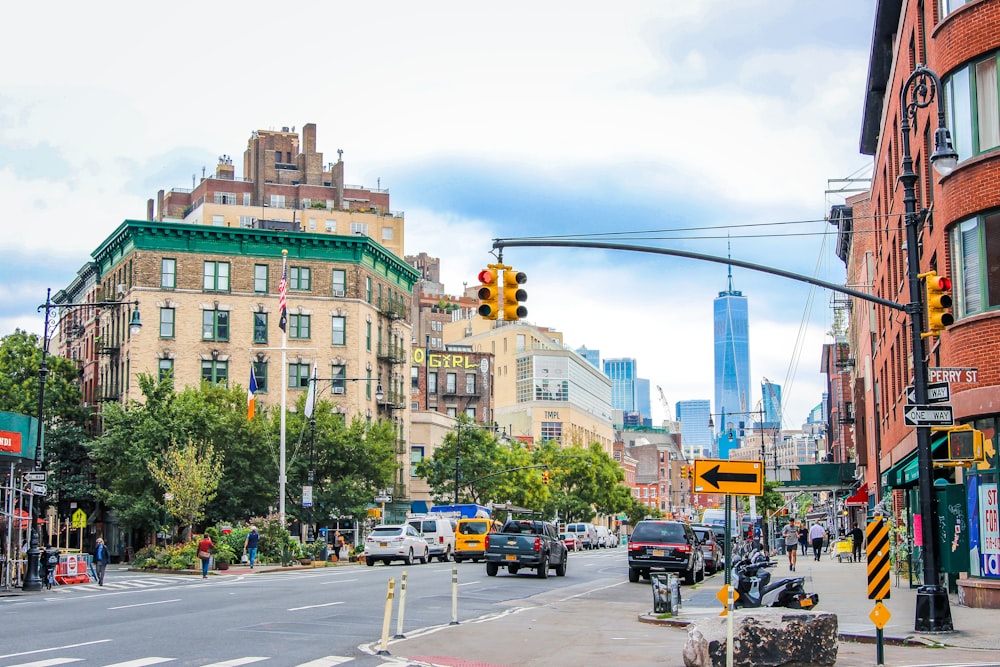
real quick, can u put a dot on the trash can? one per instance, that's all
(661, 592)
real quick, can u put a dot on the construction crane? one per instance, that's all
(663, 399)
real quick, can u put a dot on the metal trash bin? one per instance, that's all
(661, 592)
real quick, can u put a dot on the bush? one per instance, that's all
(273, 537)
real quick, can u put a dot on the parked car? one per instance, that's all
(605, 538)
(395, 542)
(470, 538)
(717, 517)
(670, 546)
(438, 532)
(711, 546)
(587, 533)
(571, 540)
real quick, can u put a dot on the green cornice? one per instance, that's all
(154, 236)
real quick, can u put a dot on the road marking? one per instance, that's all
(313, 606)
(141, 662)
(235, 662)
(55, 648)
(339, 581)
(145, 604)
(328, 661)
(48, 663)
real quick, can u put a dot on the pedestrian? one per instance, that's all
(791, 535)
(858, 540)
(250, 545)
(101, 559)
(816, 535)
(205, 547)
(338, 541)
(804, 538)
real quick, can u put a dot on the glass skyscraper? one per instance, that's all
(622, 375)
(771, 400)
(696, 436)
(732, 366)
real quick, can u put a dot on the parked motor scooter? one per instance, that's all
(752, 580)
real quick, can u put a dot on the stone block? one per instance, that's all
(765, 638)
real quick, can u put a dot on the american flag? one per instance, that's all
(283, 296)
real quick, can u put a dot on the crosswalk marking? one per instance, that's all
(236, 662)
(141, 662)
(48, 663)
(326, 661)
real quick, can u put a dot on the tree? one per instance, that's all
(189, 475)
(479, 454)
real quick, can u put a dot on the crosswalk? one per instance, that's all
(326, 661)
(130, 583)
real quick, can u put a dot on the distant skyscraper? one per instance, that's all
(732, 363)
(622, 375)
(642, 405)
(771, 400)
(696, 435)
(593, 356)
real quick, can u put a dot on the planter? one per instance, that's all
(222, 566)
(305, 561)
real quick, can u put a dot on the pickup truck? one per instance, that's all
(526, 544)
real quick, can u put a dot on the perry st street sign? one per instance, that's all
(928, 415)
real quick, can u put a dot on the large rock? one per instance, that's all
(765, 638)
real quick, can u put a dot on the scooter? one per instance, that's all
(752, 581)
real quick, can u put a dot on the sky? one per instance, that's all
(704, 126)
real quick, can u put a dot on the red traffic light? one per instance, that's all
(939, 282)
(487, 276)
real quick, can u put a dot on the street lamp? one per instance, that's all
(32, 582)
(921, 89)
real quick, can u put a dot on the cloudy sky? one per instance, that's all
(699, 126)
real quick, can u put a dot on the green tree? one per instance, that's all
(585, 481)
(189, 474)
(479, 455)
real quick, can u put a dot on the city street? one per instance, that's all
(330, 616)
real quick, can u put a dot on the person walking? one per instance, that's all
(205, 547)
(101, 559)
(816, 535)
(250, 545)
(791, 535)
(804, 538)
(858, 543)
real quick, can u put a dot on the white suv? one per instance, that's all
(395, 542)
(439, 533)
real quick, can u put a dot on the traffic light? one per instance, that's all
(513, 295)
(545, 476)
(938, 302)
(965, 444)
(489, 293)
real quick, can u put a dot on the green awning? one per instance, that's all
(906, 472)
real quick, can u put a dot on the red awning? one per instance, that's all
(859, 499)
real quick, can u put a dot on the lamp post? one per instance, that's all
(32, 582)
(920, 90)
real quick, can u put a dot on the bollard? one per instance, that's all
(386, 618)
(454, 595)
(402, 607)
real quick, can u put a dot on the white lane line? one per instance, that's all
(469, 583)
(145, 604)
(141, 662)
(328, 661)
(48, 663)
(54, 648)
(313, 606)
(338, 581)
(235, 662)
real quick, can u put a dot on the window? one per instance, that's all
(215, 325)
(339, 282)
(368, 289)
(299, 278)
(246, 198)
(449, 383)
(470, 412)
(216, 277)
(218, 221)
(368, 336)
(432, 383)
(339, 383)
(277, 201)
(260, 374)
(416, 456)
(414, 378)
(339, 329)
(973, 101)
(166, 322)
(224, 197)
(387, 233)
(551, 431)
(247, 221)
(359, 228)
(312, 224)
(164, 368)
(298, 376)
(331, 226)
(948, 6)
(168, 273)
(975, 246)
(451, 411)
(298, 326)
(260, 327)
(216, 372)
(470, 383)
(260, 278)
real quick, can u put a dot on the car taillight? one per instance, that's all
(683, 548)
(440, 539)
(538, 544)
(632, 546)
(486, 542)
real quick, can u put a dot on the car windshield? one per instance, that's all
(387, 531)
(658, 532)
(473, 528)
(567, 536)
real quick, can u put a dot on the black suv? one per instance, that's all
(670, 546)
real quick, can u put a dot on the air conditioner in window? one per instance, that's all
(338, 390)
(121, 288)
(338, 292)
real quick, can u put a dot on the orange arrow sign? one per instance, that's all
(740, 478)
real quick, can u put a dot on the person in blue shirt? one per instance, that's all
(250, 545)
(101, 559)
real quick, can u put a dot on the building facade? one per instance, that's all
(732, 364)
(696, 434)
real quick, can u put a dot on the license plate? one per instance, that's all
(383, 544)
(659, 553)
(806, 602)
(511, 557)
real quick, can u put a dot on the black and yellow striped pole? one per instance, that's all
(877, 550)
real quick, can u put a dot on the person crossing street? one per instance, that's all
(791, 535)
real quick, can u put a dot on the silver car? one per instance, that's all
(395, 542)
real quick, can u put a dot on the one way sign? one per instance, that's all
(928, 415)
(937, 392)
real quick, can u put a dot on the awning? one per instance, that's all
(905, 473)
(859, 499)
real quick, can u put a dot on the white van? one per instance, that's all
(438, 532)
(586, 532)
(717, 519)
(605, 538)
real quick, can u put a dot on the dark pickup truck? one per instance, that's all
(530, 544)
